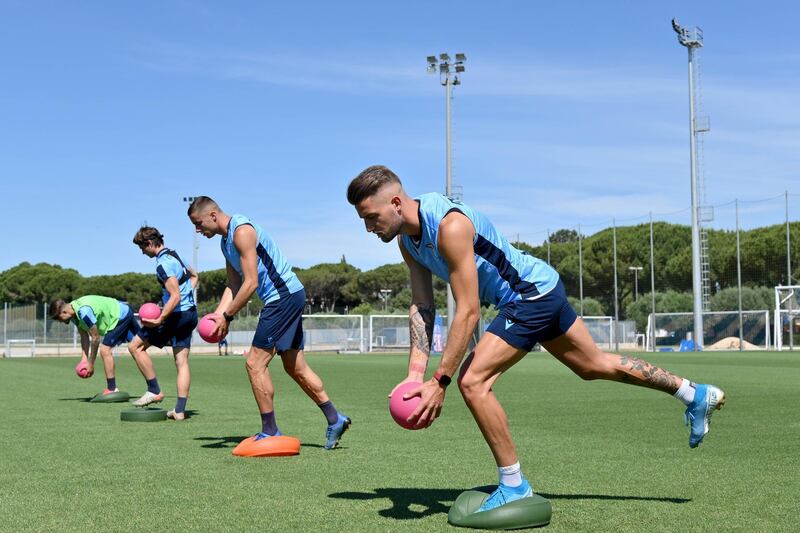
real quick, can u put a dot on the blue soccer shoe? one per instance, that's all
(707, 399)
(504, 494)
(335, 432)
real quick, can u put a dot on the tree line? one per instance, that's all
(341, 287)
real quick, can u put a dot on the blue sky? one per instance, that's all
(569, 113)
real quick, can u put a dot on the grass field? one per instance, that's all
(610, 457)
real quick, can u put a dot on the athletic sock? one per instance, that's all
(180, 406)
(152, 386)
(268, 424)
(685, 392)
(510, 476)
(111, 383)
(330, 412)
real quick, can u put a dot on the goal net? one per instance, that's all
(20, 348)
(787, 317)
(334, 333)
(602, 330)
(666, 331)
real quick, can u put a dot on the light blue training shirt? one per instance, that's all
(169, 265)
(505, 273)
(275, 277)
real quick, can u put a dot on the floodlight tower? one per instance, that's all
(448, 76)
(692, 39)
(195, 244)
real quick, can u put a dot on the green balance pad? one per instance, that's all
(143, 414)
(527, 512)
(114, 397)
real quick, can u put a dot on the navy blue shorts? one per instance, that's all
(523, 323)
(125, 330)
(176, 330)
(280, 325)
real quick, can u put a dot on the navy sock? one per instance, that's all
(330, 412)
(268, 424)
(111, 383)
(152, 386)
(181, 405)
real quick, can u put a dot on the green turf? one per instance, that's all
(610, 457)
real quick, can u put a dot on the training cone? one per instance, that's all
(278, 446)
(527, 512)
(111, 397)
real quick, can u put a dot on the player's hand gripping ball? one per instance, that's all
(206, 328)
(401, 409)
(81, 369)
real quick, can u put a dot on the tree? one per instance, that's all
(26, 283)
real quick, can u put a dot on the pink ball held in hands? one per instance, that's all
(206, 328)
(81, 369)
(149, 311)
(401, 409)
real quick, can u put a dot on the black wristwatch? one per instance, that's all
(227, 317)
(443, 379)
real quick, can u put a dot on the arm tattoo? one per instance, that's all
(651, 376)
(421, 327)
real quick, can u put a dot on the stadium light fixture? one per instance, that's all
(692, 39)
(448, 79)
(636, 271)
(195, 243)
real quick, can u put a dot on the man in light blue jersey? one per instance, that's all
(255, 265)
(438, 235)
(178, 314)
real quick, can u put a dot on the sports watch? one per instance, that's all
(443, 379)
(227, 317)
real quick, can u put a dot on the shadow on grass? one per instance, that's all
(221, 442)
(438, 501)
(86, 399)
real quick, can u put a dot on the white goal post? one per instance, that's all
(787, 316)
(669, 331)
(20, 348)
(602, 330)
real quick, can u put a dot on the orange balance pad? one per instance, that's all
(269, 447)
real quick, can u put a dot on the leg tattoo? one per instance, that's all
(640, 372)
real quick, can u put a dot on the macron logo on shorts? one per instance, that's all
(509, 323)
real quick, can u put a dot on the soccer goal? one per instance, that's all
(666, 331)
(334, 333)
(602, 330)
(20, 348)
(389, 333)
(787, 317)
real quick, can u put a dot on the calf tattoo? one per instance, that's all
(421, 327)
(652, 376)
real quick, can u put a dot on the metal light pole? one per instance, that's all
(448, 79)
(384, 294)
(635, 281)
(195, 245)
(693, 39)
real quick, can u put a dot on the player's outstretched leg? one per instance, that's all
(294, 362)
(577, 350)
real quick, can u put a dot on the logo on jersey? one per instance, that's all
(509, 323)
